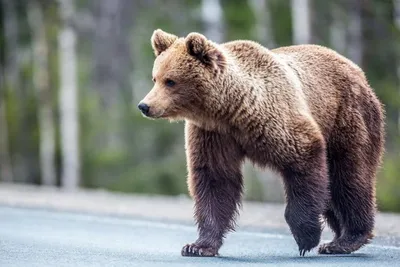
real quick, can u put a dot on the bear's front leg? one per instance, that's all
(215, 183)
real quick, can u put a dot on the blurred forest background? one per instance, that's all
(72, 73)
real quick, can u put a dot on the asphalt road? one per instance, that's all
(37, 237)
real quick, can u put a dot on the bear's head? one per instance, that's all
(187, 75)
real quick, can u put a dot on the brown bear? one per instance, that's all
(305, 111)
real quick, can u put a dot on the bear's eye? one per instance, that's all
(154, 80)
(169, 83)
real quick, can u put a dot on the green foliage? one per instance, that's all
(238, 24)
(121, 150)
(153, 177)
(388, 193)
(281, 22)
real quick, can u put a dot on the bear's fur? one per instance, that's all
(305, 111)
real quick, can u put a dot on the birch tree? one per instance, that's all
(112, 64)
(301, 21)
(337, 31)
(263, 26)
(211, 13)
(11, 44)
(41, 85)
(69, 125)
(354, 32)
(396, 16)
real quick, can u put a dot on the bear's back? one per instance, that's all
(331, 82)
(327, 78)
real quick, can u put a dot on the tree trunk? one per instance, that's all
(10, 80)
(69, 125)
(354, 32)
(263, 26)
(6, 173)
(397, 23)
(301, 21)
(41, 84)
(211, 13)
(338, 28)
(11, 44)
(112, 64)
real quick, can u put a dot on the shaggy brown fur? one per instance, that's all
(304, 111)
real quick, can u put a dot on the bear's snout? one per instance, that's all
(144, 108)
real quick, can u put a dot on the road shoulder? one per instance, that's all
(180, 208)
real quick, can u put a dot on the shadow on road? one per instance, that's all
(356, 257)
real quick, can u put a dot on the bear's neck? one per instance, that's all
(233, 108)
(243, 99)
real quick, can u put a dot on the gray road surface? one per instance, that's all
(39, 237)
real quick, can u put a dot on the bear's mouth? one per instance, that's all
(158, 115)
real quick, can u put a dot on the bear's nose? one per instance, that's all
(144, 108)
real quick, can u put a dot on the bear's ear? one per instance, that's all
(198, 46)
(161, 41)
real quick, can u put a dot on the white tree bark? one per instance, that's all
(263, 25)
(338, 28)
(355, 43)
(41, 85)
(301, 21)
(112, 65)
(69, 125)
(211, 13)
(397, 23)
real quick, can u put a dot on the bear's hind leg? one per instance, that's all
(354, 152)
(333, 222)
(353, 199)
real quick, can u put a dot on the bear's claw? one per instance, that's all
(345, 245)
(303, 252)
(193, 250)
(332, 248)
(307, 244)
